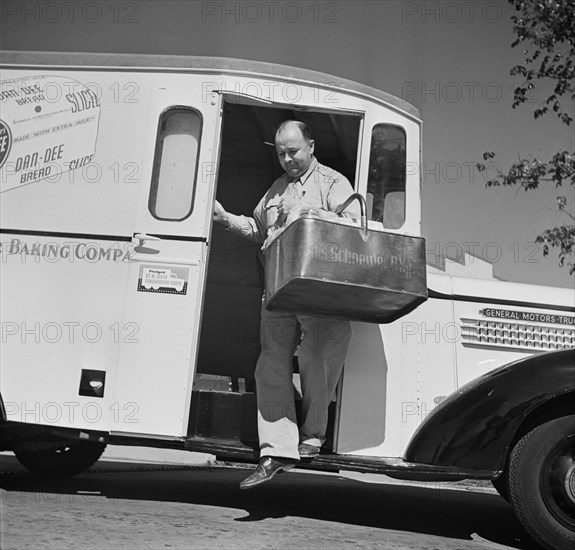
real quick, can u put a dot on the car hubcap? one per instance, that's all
(570, 484)
(558, 482)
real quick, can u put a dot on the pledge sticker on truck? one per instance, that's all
(163, 279)
(49, 127)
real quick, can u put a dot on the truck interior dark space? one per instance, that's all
(229, 344)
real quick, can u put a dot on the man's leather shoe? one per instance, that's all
(307, 451)
(267, 468)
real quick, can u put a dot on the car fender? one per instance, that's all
(477, 424)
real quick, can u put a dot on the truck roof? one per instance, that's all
(216, 65)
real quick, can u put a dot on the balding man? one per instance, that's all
(306, 184)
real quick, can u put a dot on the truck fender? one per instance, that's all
(476, 426)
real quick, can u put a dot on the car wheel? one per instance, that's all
(542, 483)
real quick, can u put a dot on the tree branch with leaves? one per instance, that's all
(547, 27)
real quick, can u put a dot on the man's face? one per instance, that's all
(294, 152)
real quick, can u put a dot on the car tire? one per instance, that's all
(542, 483)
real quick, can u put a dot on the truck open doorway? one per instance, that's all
(223, 405)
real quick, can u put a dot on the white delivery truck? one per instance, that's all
(129, 318)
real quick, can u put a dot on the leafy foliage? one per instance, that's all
(530, 173)
(563, 238)
(549, 27)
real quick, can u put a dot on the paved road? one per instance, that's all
(129, 506)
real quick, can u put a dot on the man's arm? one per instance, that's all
(240, 225)
(339, 192)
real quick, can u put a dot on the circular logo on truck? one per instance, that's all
(5, 142)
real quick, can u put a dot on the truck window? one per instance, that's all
(175, 164)
(386, 179)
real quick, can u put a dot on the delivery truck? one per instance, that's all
(128, 317)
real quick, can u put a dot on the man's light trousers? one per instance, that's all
(322, 351)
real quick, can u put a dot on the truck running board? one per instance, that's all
(236, 451)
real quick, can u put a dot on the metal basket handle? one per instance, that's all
(362, 208)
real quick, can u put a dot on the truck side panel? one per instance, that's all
(106, 212)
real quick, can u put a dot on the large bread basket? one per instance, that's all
(324, 268)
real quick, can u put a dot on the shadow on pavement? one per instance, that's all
(454, 514)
